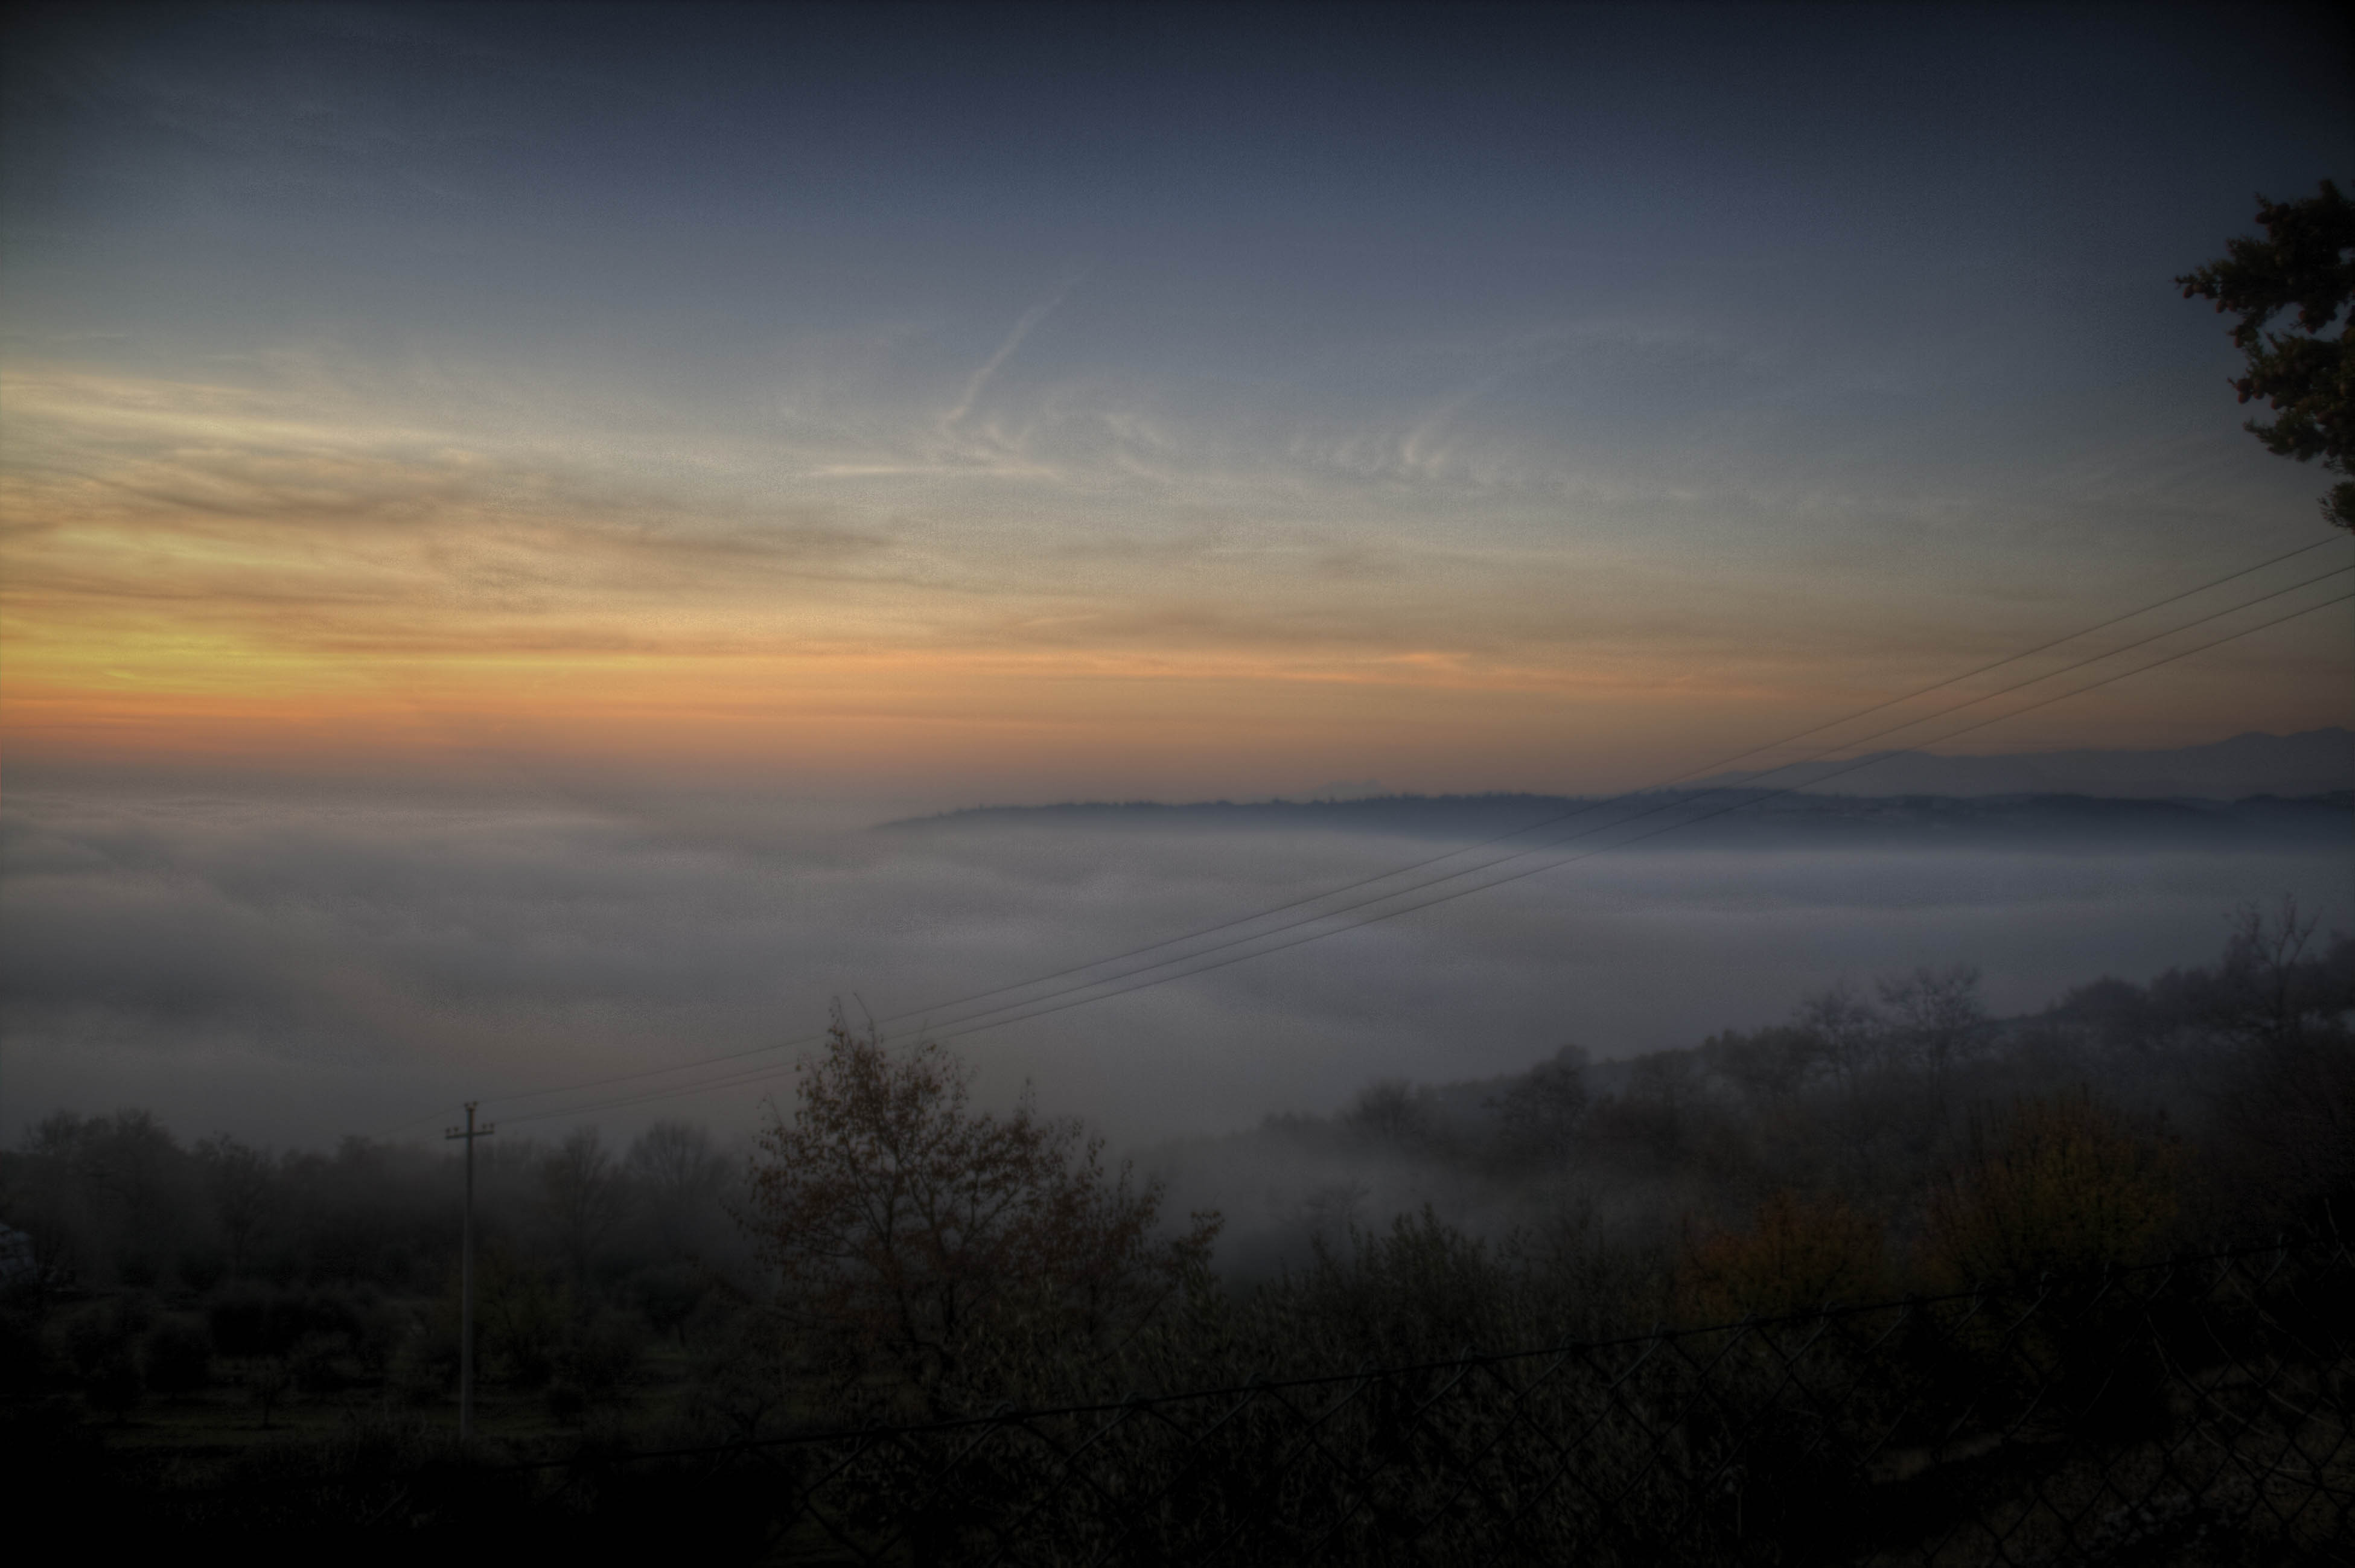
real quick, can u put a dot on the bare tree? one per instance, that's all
(579, 1196)
(1849, 1034)
(2286, 1096)
(675, 1159)
(242, 1180)
(1390, 1110)
(1938, 1019)
(1772, 1064)
(1663, 1091)
(1540, 1113)
(906, 1228)
(2272, 987)
(123, 1189)
(681, 1177)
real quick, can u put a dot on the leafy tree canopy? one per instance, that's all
(2305, 263)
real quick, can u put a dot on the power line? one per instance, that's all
(977, 1027)
(971, 1026)
(1705, 769)
(1669, 804)
(1234, 923)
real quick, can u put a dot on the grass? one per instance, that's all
(223, 1421)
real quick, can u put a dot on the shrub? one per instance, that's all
(97, 1334)
(25, 1362)
(202, 1268)
(376, 1325)
(250, 1320)
(566, 1402)
(267, 1382)
(521, 1314)
(668, 1296)
(1795, 1255)
(316, 1361)
(1419, 1289)
(114, 1385)
(2057, 1184)
(422, 1368)
(601, 1358)
(176, 1355)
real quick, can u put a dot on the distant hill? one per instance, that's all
(1735, 817)
(2314, 762)
(2248, 788)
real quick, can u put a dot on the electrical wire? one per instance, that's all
(930, 1009)
(1704, 769)
(1672, 801)
(974, 1025)
(977, 1027)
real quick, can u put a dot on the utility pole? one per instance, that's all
(466, 1279)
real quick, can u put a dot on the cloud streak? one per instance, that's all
(1023, 327)
(194, 565)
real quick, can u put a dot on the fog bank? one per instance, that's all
(295, 968)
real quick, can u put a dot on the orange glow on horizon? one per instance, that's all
(195, 573)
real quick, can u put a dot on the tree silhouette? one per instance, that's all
(579, 1197)
(1542, 1111)
(908, 1229)
(2306, 262)
(241, 1179)
(1936, 1020)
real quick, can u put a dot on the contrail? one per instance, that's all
(1030, 318)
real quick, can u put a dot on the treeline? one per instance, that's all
(119, 1201)
(887, 1251)
(1874, 1145)
(145, 1267)
(2221, 1095)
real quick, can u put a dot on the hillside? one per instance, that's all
(1750, 818)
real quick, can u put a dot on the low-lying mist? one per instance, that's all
(298, 967)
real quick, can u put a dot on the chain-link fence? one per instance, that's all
(2197, 1411)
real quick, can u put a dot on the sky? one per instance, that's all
(496, 500)
(923, 407)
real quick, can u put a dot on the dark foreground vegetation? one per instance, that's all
(1876, 1284)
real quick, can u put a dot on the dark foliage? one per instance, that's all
(2304, 265)
(2033, 1402)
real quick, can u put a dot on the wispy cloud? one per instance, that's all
(979, 381)
(466, 541)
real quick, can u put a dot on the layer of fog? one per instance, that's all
(294, 968)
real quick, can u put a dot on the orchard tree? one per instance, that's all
(2305, 263)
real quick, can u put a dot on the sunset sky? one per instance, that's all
(945, 405)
